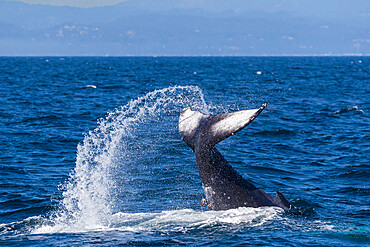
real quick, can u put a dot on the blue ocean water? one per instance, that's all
(90, 150)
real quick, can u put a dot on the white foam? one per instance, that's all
(175, 220)
(91, 86)
(348, 109)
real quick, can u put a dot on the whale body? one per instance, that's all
(224, 188)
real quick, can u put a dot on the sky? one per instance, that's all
(73, 3)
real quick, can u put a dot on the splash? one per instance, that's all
(89, 194)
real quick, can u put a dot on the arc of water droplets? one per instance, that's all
(87, 199)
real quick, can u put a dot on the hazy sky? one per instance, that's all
(74, 3)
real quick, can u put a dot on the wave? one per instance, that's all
(272, 170)
(354, 191)
(34, 121)
(10, 169)
(282, 132)
(348, 109)
(42, 118)
(356, 172)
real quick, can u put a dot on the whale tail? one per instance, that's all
(214, 129)
(224, 187)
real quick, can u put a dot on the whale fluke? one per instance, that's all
(224, 187)
(219, 127)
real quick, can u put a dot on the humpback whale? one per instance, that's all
(224, 188)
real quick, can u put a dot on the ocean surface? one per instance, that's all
(91, 155)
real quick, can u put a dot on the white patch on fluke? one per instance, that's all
(189, 121)
(233, 121)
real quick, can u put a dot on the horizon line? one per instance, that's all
(204, 55)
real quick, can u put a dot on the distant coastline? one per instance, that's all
(187, 28)
(265, 55)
